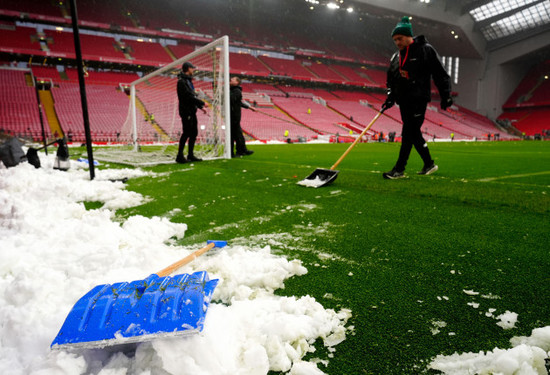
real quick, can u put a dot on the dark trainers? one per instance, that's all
(245, 152)
(193, 158)
(393, 175)
(181, 159)
(428, 170)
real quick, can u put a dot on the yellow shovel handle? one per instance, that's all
(357, 140)
(180, 263)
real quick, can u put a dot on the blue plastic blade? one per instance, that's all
(138, 311)
(217, 243)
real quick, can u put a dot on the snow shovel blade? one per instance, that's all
(142, 310)
(319, 177)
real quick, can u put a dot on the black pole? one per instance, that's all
(78, 52)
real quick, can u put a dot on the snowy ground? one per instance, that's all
(53, 251)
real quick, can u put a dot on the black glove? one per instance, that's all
(446, 102)
(388, 103)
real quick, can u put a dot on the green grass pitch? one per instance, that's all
(399, 254)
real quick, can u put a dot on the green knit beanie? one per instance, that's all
(403, 27)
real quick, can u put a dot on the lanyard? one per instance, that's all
(402, 63)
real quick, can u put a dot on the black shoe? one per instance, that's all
(428, 169)
(248, 152)
(181, 159)
(393, 175)
(193, 158)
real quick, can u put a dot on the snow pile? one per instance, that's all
(54, 251)
(527, 357)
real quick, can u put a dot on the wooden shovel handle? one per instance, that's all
(180, 263)
(357, 140)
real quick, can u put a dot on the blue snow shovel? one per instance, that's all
(158, 306)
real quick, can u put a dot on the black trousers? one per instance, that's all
(412, 115)
(237, 138)
(190, 131)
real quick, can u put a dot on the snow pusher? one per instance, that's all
(320, 176)
(158, 306)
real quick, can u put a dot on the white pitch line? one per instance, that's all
(489, 179)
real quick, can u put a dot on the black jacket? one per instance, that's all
(188, 101)
(419, 66)
(236, 103)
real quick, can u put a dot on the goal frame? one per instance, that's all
(224, 43)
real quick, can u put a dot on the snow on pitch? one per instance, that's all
(53, 250)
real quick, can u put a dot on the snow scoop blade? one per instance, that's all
(319, 177)
(141, 310)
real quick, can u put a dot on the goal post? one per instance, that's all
(151, 132)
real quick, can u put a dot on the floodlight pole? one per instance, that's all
(83, 100)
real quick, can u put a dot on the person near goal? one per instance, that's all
(236, 103)
(188, 105)
(409, 85)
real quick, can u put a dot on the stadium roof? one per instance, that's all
(497, 19)
(488, 25)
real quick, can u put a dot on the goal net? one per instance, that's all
(151, 132)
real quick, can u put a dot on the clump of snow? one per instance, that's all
(508, 320)
(527, 357)
(54, 251)
(312, 182)
(540, 337)
(436, 325)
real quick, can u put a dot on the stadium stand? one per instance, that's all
(262, 88)
(533, 90)
(181, 49)
(97, 11)
(529, 122)
(317, 56)
(287, 68)
(528, 108)
(106, 116)
(271, 124)
(300, 92)
(314, 115)
(18, 105)
(246, 64)
(21, 40)
(148, 15)
(97, 48)
(323, 71)
(350, 95)
(47, 73)
(146, 53)
(350, 74)
(376, 76)
(43, 8)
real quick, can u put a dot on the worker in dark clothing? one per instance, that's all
(188, 105)
(236, 100)
(409, 85)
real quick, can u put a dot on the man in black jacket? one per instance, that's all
(409, 85)
(188, 105)
(236, 101)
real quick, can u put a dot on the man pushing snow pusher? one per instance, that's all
(409, 85)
